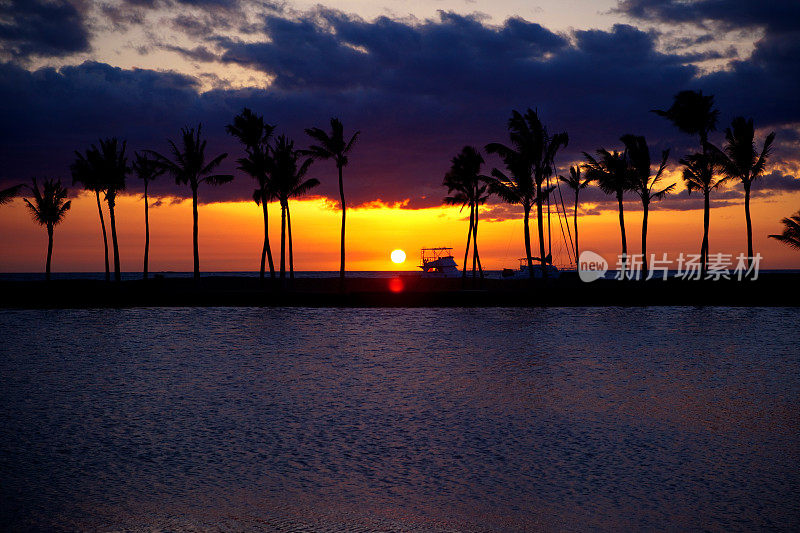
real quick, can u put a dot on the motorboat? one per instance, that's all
(438, 263)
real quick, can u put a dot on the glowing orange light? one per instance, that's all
(396, 285)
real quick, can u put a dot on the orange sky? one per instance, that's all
(231, 235)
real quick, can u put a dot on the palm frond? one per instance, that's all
(791, 231)
(50, 204)
(6, 195)
(218, 179)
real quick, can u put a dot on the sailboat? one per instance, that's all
(550, 270)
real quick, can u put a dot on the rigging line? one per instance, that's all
(566, 220)
(549, 233)
(566, 245)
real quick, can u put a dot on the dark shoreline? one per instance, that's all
(239, 291)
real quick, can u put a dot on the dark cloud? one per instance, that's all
(53, 28)
(776, 181)
(775, 15)
(120, 17)
(201, 26)
(418, 91)
(198, 53)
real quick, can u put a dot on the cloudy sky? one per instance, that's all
(419, 79)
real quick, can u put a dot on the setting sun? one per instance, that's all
(398, 256)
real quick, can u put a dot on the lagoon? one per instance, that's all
(500, 419)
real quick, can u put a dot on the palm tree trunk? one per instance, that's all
(344, 213)
(112, 218)
(289, 231)
(474, 248)
(575, 223)
(195, 249)
(749, 224)
(704, 248)
(624, 238)
(540, 220)
(469, 237)
(49, 251)
(105, 236)
(527, 228)
(266, 252)
(146, 233)
(283, 241)
(475, 253)
(645, 206)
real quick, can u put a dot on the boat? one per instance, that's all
(438, 263)
(551, 271)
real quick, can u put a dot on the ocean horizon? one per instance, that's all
(318, 274)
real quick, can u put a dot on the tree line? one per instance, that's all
(279, 169)
(529, 161)
(275, 163)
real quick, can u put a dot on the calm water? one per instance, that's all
(399, 420)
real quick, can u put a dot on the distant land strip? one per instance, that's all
(403, 291)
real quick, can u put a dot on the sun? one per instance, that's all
(398, 256)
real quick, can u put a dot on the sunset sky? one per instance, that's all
(419, 80)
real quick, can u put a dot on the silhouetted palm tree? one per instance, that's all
(334, 146)
(699, 175)
(7, 194)
(104, 167)
(189, 166)
(643, 183)
(48, 208)
(288, 174)
(692, 113)
(86, 173)
(146, 170)
(467, 187)
(739, 160)
(613, 177)
(577, 184)
(791, 231)
(255, 134)
(529, 137)
(516, 188)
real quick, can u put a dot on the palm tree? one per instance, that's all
(643, 183)
(48, 208)
(85, 173)
(105, 168)
(791, 231)
(467, 187)
(529, 137)
(739, 160)
(536, 151)
(699, 175)
(333, 146)
(146, 170)
(577, 184)
(189, 166)
(114, 165)
(7, 194)
(613, 177)
(516, 188)
(288, 174)
(255, 134)
(692, 113)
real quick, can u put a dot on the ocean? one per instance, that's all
(492, 419)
